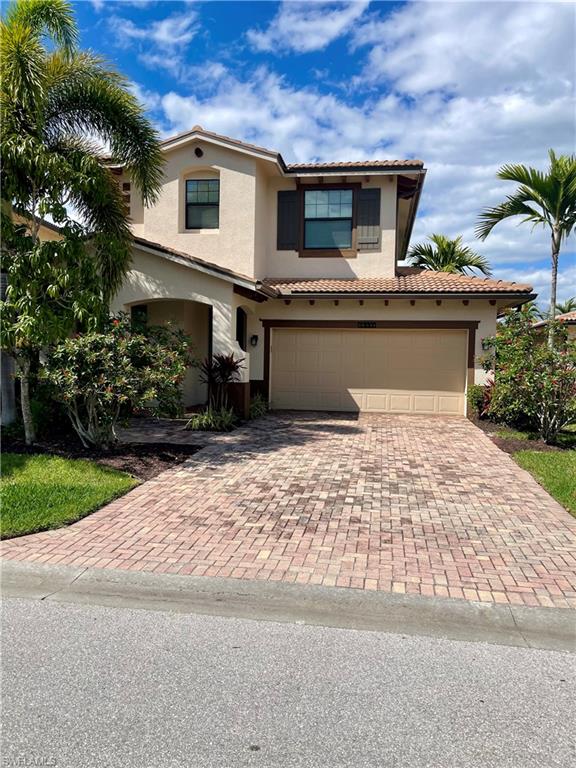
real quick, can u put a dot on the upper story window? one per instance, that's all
(202, 203)
(328, 219)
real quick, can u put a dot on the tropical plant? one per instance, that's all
(546, 199)
(566, 306)
(52, 99)
(475, 400)
(258, 406)
(218, 372)
(443, 254)
(97, 375)
(213, 420)
(534, 384)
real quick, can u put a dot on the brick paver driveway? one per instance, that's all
(397, 503)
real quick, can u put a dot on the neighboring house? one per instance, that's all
(295, 268)
(568, 320)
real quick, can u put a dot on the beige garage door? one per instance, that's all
(400, 371)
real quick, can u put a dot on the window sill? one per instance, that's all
(215, 231)
(345, 253)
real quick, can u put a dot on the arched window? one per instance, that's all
(241, 328)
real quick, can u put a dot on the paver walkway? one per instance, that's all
(397, 503)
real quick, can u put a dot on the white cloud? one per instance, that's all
(99, 5)
(173, 32)
(471, 47)
(307, 26)
(491, 116)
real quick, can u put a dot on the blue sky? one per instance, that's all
(466, 86)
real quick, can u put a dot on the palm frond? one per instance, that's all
(50, 18)
(22, 77)
(566, 306)
(443, 254)
(86, 97)
(514, 205)
(98, 200)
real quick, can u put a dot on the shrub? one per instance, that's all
(534, 386)
(96, 375)
(258, 406)
(218, 372)
(213, 420)
(475, 398)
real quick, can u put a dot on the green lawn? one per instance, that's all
(41, 492)
(556, 471)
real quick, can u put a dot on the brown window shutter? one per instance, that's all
(368, 224)
(288, 231)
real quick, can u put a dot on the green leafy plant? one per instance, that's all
(258, 406)
(96, 375)
(213, 420)
(534, 384)
(475, 398)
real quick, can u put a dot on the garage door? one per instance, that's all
(400, 371)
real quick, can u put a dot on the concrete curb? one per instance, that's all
(543, 628)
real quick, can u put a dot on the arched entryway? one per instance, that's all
(195, 319)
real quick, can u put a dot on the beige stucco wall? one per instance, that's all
(232, 245)
(366, 264)
(152, 278)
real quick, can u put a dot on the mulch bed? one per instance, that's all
(511, 445)
(142, 460)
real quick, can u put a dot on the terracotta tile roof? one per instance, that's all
(221, 137)
(409, 280)
(568, 317)
(357, 164)
(295, 167)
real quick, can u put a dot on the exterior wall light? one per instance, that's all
(254, 340)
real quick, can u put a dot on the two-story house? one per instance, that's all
(295, 269)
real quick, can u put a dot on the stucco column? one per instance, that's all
(224, 337)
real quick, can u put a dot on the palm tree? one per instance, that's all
(52, 99)
(545, 199)
(445, 255)
(566, 306)
(58, 108)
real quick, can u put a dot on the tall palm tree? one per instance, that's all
(566, 306)
(58, 108)
(442, 254)
(546, 199)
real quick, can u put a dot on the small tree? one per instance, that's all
(534, 385)
(58, 107)
(98, 375)
(51, 288)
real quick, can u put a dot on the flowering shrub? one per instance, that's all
(97, 375)
(534, 386)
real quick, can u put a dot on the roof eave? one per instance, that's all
(516, 298)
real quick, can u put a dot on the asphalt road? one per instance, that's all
(92, 687)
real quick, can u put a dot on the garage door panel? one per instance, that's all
(401, 371)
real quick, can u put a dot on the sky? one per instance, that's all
(464, 86)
